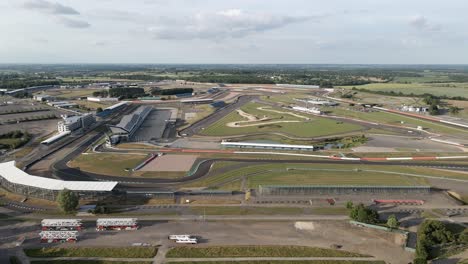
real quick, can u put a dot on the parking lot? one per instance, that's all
(382, 245)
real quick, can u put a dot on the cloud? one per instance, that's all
(73, 23)
(50, 7)
(59, 11)
(421, 23)
(230, 23)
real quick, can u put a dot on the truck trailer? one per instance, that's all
(116, 224)
(61, 224)
(58, 236)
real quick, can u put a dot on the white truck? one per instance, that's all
(175, 237)
(184, 239)
(187, 241)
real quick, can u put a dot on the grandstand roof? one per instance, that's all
(54, 138)
(128, 122)
(112, 107)
(11, 173)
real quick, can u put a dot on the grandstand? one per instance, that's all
(340, 190)
(268, 146)
(129, 124)
(18, 181)
(112, 109)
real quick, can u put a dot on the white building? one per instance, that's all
(69, 124)
(318, 101)
(102, 99)
(417, 109)
(312, 110)
(42, 97)
(73, 123)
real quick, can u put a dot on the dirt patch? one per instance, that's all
(171, 163)
(304, 226)
(247, 115)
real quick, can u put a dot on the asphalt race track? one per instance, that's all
(62, 171)
(211, 119)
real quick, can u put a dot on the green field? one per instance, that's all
(318, 174)
(88, 262)
(248, 210)
(104, 252)
(109, 164)
(71, 93)
(314, 127)
(285, 262)
(257, 251)
(394, 119)
(439, 89)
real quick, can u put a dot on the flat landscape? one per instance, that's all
(287, 122)
(440, 89)
(382, 155)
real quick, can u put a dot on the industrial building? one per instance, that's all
(62, 104)
(18, 181)
(43, 97)
(73, 123)
(129, 124)
(266, 146)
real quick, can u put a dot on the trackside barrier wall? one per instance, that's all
(144, 163)
(337, 189)
(386, 229)
(195, 168)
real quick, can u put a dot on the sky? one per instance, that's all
(235, 31)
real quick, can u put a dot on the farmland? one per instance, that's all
(439, 89)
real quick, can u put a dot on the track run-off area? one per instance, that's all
(63, 171)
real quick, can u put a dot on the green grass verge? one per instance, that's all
(316, 126)
(248, 210)
(109, 164)
(88, 262)
(257, 251)
(321, 174)
(284, 262)
(393, 119)
(104, 252)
